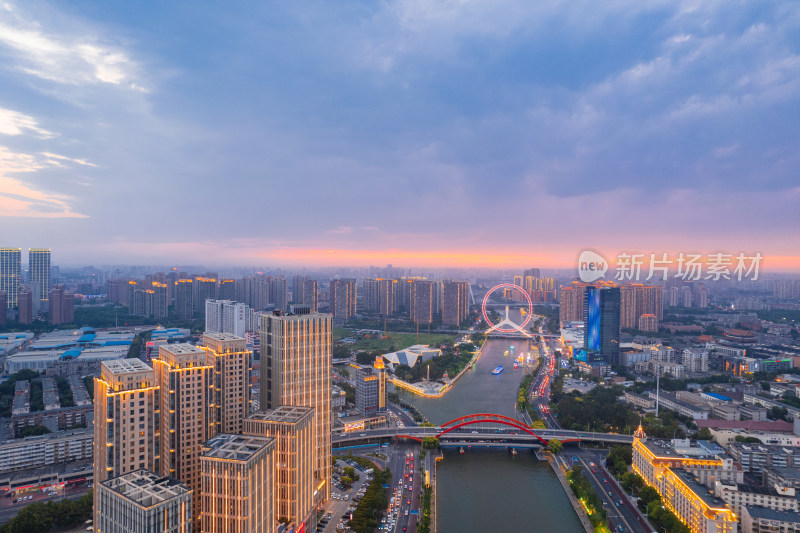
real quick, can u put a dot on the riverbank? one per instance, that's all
(562, 478)
(435, 389)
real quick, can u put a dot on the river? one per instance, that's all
(488, 491)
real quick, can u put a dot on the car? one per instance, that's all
(362, 435)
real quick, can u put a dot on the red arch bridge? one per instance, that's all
(481, 429)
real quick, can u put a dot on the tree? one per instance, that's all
(538, 424)
(430, 442)
(648, 495)
(340, 351)
(555, 446)
(704, 434)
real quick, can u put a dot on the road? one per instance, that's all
(9, 510)
(403, 461)
(622, 511)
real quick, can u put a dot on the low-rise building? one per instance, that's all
(755, 457)
(682, 474)
(693, 504)
(670, 400)
(784, 476)
(637, 400)
(737, 495)
(757, 519)
(41, 450)
(411, 356)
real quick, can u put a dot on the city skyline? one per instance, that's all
(413, 131)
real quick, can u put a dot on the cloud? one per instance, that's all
(64, 57)
(340, 230)
(15, 123)
(57, 160)
(18, 199)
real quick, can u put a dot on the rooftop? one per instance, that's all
(771, 514)
(235, 447)
(778, 426)
(125, 366)
(683, 449)
(290, 414)
(145, 488)
(699, 489)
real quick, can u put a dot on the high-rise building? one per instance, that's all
(388, 297)
(185, 380)
(3, 307)
(142, 502)
(204, 289)
(62, 306)
(296, 370)
(671, 297)
(160, 297)
(279, 293)
(39, 277)
(601, 322)
(238, 486)
(230, 404)
(10, 274)
(648, 322)
(226, 316)
(421, 300)
(456, 302)
(184, 299)
(571, 302)
(25, 305)
(686, 296)
(342, 298)
(371, 296)
(293, 427)
(310, 294)
(298, 288)
(534, 272)
(226, 289)
(126, 419)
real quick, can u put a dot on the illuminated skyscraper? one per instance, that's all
(230, 404)
(39, 277)
(601, 322)
(238, 485)
(296, 370)
(10, 270)
(342, 298)
(293, 427)
(126, 419)
(186, 383)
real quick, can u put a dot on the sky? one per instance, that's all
(418, 133)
